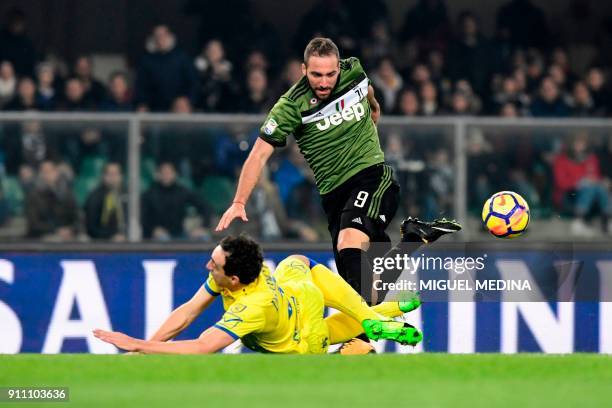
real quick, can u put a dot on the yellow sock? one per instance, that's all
(343, 328)
(341, 296)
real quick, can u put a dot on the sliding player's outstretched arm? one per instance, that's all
(249, 175)
(211, 341)
(183, 315)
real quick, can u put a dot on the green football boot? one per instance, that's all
(400, 332)
(407, 306)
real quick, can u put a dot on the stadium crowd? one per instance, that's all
(431, 66)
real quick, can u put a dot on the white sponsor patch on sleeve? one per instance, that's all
(270, 126)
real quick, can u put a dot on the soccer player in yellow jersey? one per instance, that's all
(280, 313)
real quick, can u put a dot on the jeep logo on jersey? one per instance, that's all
(357, 112)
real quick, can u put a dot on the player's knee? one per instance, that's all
(352, 238)
(301, 258)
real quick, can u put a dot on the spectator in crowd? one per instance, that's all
(95, 92)
(74, 97)
(292, 73)
(581, 103)
(182, 105)
(518, 59)
(558, 75)
(27, 178)
(26, 98)
(427, 25)
(549, 103)
(106, 206)
(429, 99)
(520, 76)
(165, 204)
(578, 185)
(597, 84)
(460, 104)
(47, 86)
(407, 103)
(27, 143)
(165, 73)
(119, 98)
(509, 110)
(216, 74)
(436, 66)
(51, 209)
(420, 74)
(387, 82)
(560, 58)
(89, 143)
(8, 82)
(470, 54)
(178, 144)
(15, 46)
(256, 59)
(510, 93)
(522, 24)
(256, 97)
(474, 103)
(534, 71)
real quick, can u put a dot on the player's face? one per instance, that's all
(322, 74)
(215, 266)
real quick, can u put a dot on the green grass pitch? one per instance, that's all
(392, 380)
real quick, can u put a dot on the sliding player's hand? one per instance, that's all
(236, 210)
(120, 340)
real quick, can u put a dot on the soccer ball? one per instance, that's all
(506, 214)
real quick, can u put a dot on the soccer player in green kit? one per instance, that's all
(332, 113)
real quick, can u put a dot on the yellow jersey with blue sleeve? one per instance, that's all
(267, 317)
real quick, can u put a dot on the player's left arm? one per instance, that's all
(374, 105)
(211, 341)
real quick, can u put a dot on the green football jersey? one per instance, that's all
(337, 136)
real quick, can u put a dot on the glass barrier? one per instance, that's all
(423, 160)
(193, 168)
(176, 175)
(63, 181)
(563, 172)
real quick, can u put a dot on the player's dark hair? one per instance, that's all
(320, 47)
(245, 258)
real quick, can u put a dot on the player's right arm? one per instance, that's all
(283, 119)
(249, 175)
(183, 315)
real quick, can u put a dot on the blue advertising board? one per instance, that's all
(50, 302)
